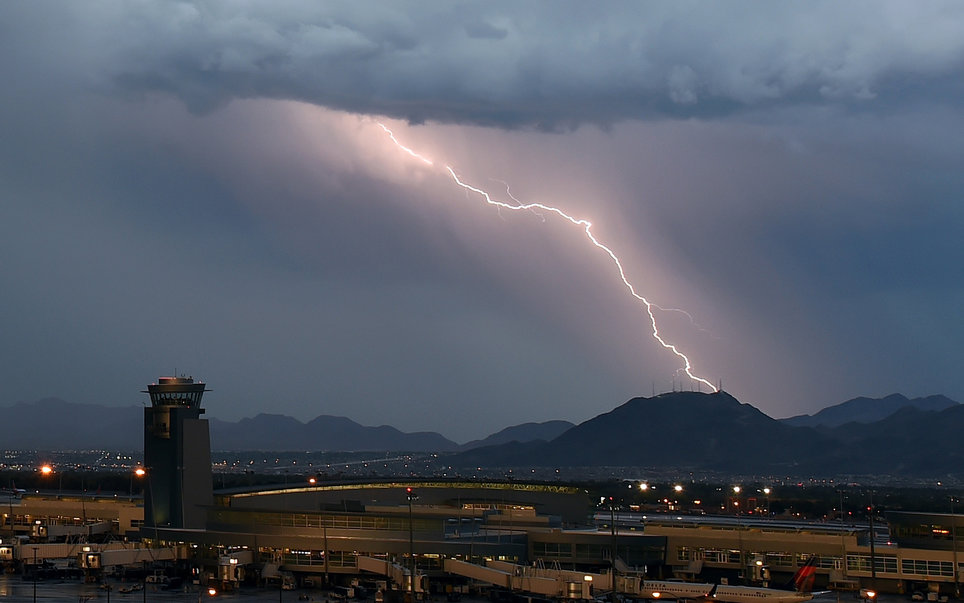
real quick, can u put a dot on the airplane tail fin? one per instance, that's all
(804, 578)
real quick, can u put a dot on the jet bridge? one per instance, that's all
(395, 572)
(538, 581)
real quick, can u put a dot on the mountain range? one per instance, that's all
(684, 430)
(867, 410)
(689, 431)
(55, 424)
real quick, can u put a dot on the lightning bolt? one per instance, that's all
(586, 227)
(424, 160)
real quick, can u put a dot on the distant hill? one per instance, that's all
(325, 432)
(716, 433)
(55, 424)
(867, 410)
(681, 429)
(526, 432)
(910, 442)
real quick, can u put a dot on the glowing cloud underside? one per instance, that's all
(586, 227)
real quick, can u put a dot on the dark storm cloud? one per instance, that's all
(506, 63)
(789, 173)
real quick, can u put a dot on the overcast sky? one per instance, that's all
(204, 188)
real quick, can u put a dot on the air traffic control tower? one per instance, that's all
(177, 455)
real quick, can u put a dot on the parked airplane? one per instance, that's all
(13, 490)
(802, 581)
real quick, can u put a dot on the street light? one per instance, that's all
(767, 492)
(46, 470)
(957, 585)
(411, 542)
(873, 538)
(612, 525)
(739, 526)
(139, 472)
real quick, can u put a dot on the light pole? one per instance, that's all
(957, 585)
(612, 525)
(139, 472)
(739, 527)
(46, 470)
(411, 543)
(767, 491)
(284, 492)
(313, 481)
(873, 552)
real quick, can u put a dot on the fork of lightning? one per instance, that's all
(586, 227)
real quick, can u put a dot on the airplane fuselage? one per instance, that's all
(656, 589)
